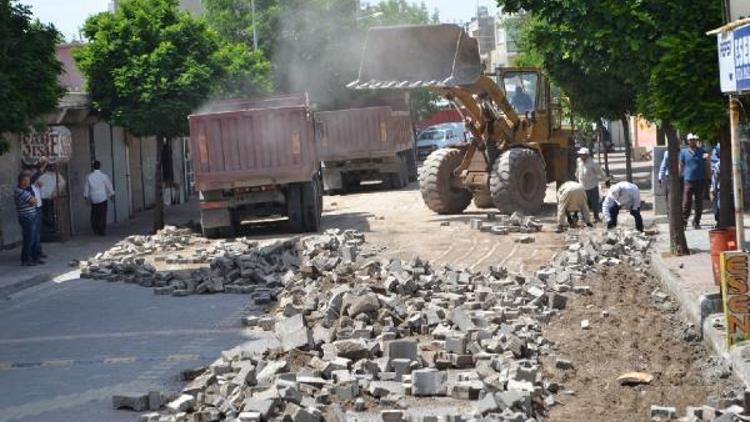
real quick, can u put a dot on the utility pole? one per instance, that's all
(739, 195)
(255, 30)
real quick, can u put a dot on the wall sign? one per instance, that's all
(56, 143)
(735, 291)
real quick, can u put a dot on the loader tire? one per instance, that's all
(518, 181)
(483, 199)
(438, 192)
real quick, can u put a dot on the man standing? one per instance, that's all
(571, 199)
(693, 172)
(589, 173)
(622, 195)
(26, 209)
(97, 190)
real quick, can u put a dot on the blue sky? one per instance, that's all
(69, 15)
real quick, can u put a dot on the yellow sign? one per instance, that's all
(735, 291)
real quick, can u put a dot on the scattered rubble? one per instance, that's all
(361, 334)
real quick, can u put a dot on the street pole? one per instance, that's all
(255, 31)
(734, 122)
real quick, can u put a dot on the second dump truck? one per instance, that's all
(366, 144)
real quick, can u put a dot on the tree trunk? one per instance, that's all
(677, 241)
(605, 146)
(628, 150)
(726, 201)
(660, 138)
(158, 185)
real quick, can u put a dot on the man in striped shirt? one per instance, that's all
(26, 203)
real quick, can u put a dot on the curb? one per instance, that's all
(707, 315)
(24, 284)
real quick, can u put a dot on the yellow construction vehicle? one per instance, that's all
(518, 145)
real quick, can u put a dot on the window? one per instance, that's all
(520, 88)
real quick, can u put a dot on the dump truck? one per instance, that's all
(366, 144)
(256, 159)
(518, 144)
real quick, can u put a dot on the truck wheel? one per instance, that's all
(398, 180)
(294, 208)
(483, 199)
(440, 191)
(518, 181)
(312, 206)
(411, 164)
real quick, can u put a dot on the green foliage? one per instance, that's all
(148, 65)
(247, 72)
(28, 68)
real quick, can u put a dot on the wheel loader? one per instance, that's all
(519, 145)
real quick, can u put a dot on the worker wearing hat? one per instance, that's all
(693, 172)
(589, 173)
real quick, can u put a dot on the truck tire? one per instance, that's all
(411, 163)
(294, 208)
(483, 199)
(518, 181)
(400, 179)
(438, 192)
(312, 205)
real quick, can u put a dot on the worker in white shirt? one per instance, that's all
(97, 190)
(589, 173)
(571, 199)
(622, 195)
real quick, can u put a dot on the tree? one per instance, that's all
(248, 71)
(148, 65)
(28, 68)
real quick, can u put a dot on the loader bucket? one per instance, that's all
(418, 56)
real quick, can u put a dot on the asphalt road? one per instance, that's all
(66, 348)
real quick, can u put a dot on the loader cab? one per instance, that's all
(527, 91)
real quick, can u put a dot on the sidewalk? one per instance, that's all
(14, 277)
(690, 280)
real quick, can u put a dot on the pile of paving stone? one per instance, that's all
(503, 224)
(726, 409)
(237, 266)
(367, 338)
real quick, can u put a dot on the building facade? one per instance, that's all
(482, 27)
(75, 136)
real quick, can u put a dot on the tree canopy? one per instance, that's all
(28, 67)
(148, 65)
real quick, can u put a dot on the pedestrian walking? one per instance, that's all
(97, 190)
(589, 173)
(622, 195)
(693, 172)
(571, 199)
(25, 200)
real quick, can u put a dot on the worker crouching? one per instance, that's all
(572, 200)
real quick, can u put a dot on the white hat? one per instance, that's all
(692, 136)
(583, 151)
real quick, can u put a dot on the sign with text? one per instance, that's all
(735, 291)
(734, 59)
(56, 143)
